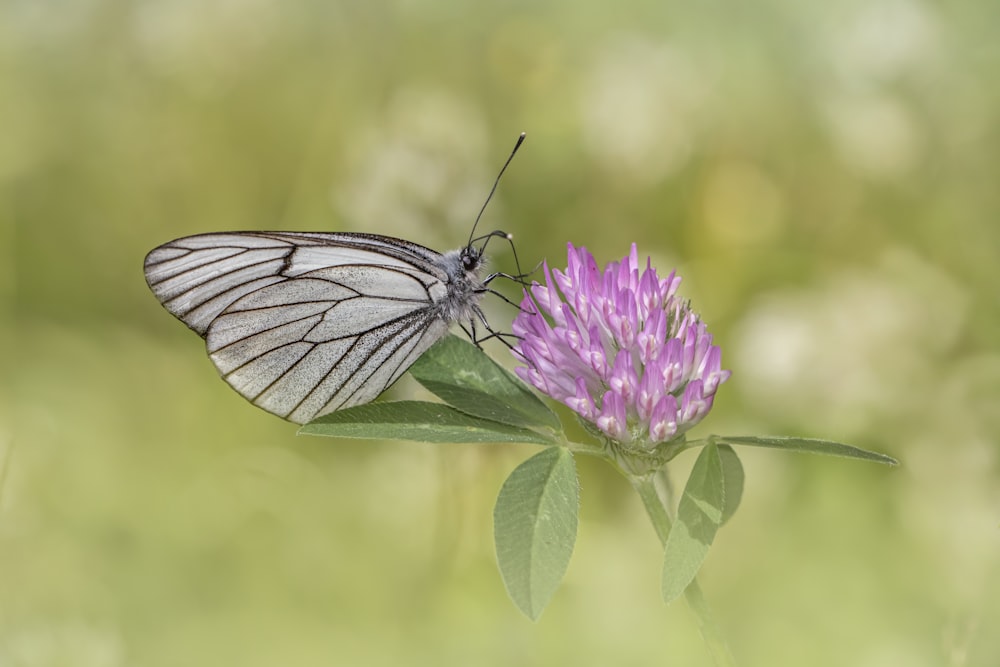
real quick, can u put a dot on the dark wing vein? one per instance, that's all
(220, 278)
(402, 364)
(353, 375)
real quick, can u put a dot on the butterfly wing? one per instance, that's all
(302, 324)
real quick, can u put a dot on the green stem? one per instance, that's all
(660, 516)
(655, 507)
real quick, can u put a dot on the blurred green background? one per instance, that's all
(825, 176)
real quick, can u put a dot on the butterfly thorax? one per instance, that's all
(465, 285)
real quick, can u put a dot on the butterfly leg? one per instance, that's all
(493, 333)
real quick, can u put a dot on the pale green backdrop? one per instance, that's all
(825, 176)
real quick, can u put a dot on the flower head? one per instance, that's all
(620, 348)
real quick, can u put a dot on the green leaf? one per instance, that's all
(732, 476)
(463, 376)
(699, 516)
(417, 420)
(534, 526)
(813, 445)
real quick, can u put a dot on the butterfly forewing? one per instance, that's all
(302, 324)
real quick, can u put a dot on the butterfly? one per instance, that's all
(305, 323)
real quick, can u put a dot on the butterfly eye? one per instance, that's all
(470, 258)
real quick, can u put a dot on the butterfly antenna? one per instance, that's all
(520, 140)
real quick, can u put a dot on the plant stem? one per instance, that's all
(660, 516)
(645, 486)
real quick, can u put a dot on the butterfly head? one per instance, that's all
(471, 258)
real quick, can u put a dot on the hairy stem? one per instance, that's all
(660, 516)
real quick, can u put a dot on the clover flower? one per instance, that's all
(620, 348)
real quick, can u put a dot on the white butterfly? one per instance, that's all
(305, 323)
